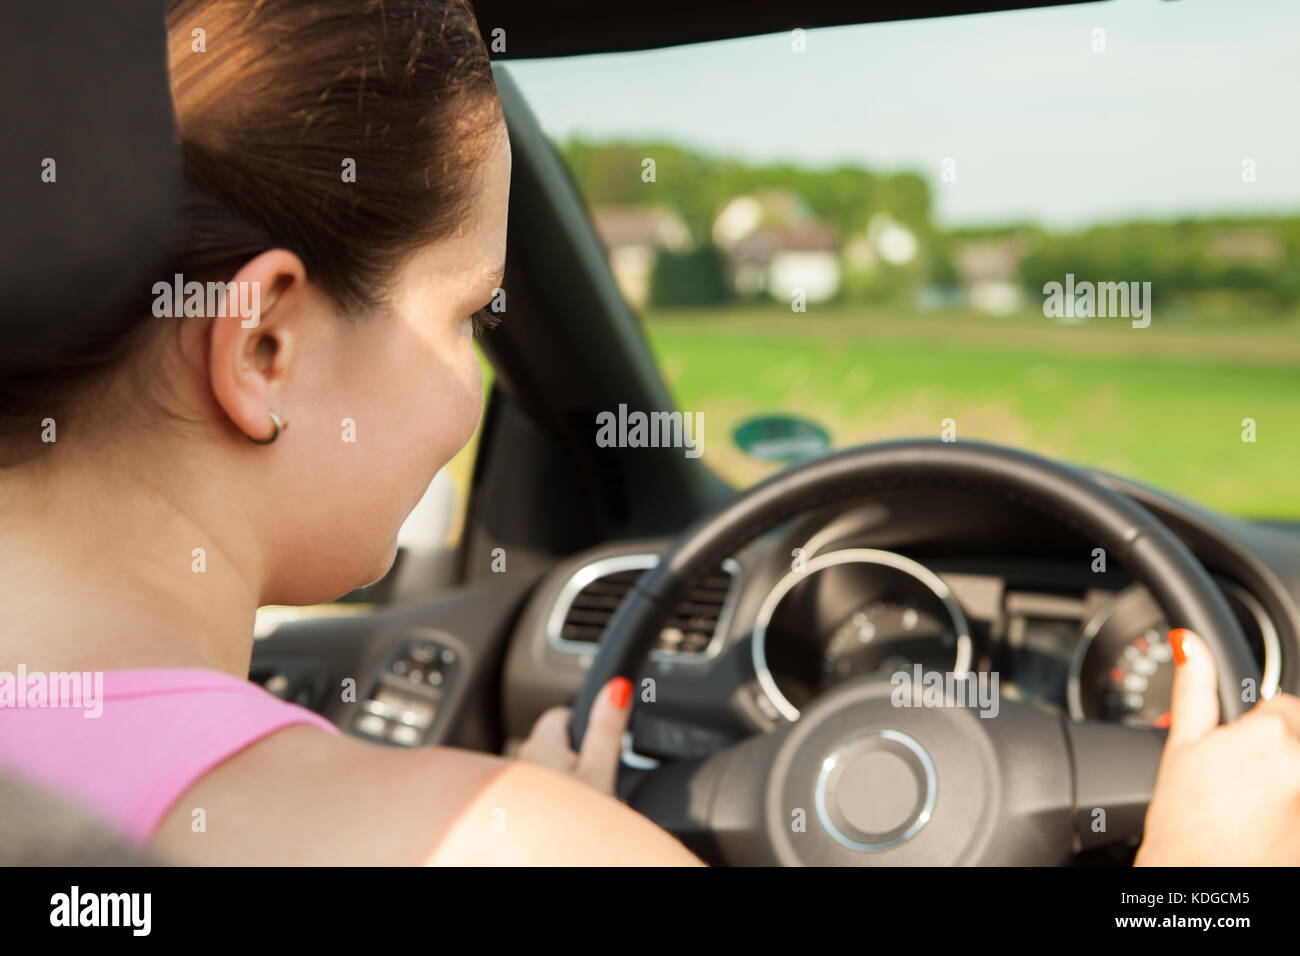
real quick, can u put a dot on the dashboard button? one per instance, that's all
(405, 735)
(372, 725)
(424, 653)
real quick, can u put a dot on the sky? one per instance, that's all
(1040, 127)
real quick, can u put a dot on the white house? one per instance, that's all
(775, 246)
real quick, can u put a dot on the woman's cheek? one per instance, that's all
(475, 408)
(462, 408)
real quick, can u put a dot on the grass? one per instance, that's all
(1163, 404)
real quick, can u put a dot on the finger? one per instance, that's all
(601, 748)
(548, 743)
(1194, 711)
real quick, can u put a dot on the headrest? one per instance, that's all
(91, 173)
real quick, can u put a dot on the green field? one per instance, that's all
(1163, 404)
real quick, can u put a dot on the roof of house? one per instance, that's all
(985, 259)
(621, 226)
(763, 243)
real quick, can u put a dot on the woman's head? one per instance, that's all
(348, 170)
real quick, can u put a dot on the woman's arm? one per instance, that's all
(532, 815)
(305, 797)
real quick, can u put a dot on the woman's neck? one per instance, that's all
(104, 568)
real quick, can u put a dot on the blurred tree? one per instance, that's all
(697, 277)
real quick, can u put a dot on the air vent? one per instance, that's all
(592, 607)
(590, 598)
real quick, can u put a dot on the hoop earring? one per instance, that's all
(280, 425)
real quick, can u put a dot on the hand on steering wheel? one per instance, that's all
(1224, 794)
(602, 746)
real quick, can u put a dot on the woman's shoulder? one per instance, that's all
(305, 797)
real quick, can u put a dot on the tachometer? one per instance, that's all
(1131, 680)
(1123, 666)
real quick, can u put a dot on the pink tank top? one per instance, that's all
(156, 734)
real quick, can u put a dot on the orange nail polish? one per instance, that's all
(1176, 642)
(620, 692)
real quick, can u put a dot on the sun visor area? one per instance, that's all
(520, 29)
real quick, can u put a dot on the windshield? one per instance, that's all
(1072, 230)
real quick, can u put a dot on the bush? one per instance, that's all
(698, 277)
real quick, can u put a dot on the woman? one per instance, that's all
(350, 173)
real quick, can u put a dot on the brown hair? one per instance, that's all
(284, 93)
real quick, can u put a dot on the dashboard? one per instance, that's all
(910, 583)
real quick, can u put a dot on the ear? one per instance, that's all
(251, 351)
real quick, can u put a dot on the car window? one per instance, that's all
(1074, 230)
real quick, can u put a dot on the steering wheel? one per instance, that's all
(859, 779)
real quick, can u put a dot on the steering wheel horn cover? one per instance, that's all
(945, 812)
(861, 800)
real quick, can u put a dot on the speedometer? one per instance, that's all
(888, 636)
(851, 613)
